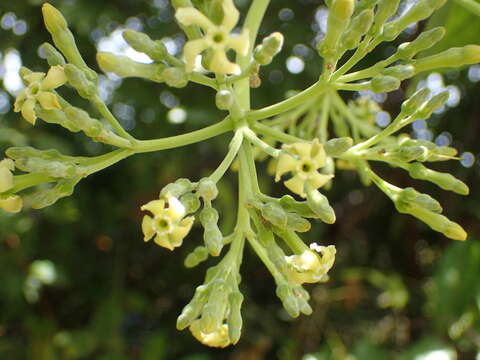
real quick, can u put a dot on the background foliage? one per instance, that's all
(77, 282)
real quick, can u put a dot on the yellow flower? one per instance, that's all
(217, 38)
(6, 176)
(312, 265)
(217, 338)
(12, 204)
(167, 224)
(303, 160)
(39, 89)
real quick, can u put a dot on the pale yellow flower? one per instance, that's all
(168, 225)
(6, 176)
(39, 90)
(217, 38)
(12, 204)
(312, 265)
(303, 160)
(217, 338)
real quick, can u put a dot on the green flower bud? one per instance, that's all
(320, 206)
(297, 223)
(444, 181)
(410, 153)
(63, 38)
(213, 239)
(382, 84)
(275, 214)
(197, 256)
(336, 147)
(194, 308)
(424, 41)
(54, 57)
(190, 202)
(454, 57)
(56, 117)
(415, 101)
(365, 4)
(357, 28)
(175, 77)
(385, 10)
(46, 197)
(177, 189)
(76, 77)
(433, 104)
(208, 216)
(207, 189)
(401, 72)
(141, 42)
(410, 199)
(224, 99)
(419, 11)
(289, 301)
(299, 207)
(125, 67)
(234, 320)
(338, 20)
(91, 127)
(271, 46)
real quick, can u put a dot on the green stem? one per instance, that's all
(232, 153)
(290, 103)
(470, 5)
(353, 87)
(107, 160)
(105, 112)
(253, 138)
(275, 134)
(185, 139)
(203, 80)
(323, 127)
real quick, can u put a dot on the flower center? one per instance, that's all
(163, 225)
(218, 37)
(307, 167)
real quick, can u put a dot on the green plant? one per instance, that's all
(308, 135)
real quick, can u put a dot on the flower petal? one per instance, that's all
(48, 100)
(163, 241)
(192, 49)
(302, 149)
(20, 100)
(318, 180)
(55, 77)
(296, 185)
(156, 207)
(175, 210)
(230, 15)
(285, 164)
(319, 157)
(33, 77)
(147, 228)
(190, 16)
(239, 43)
(28, 111)
(221, 65)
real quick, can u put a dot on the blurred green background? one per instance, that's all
(77, 281)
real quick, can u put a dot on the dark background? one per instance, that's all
(397, 289)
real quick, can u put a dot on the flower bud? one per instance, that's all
(338, 19)
(424, 41)
(208, 216)
(175, 77)
(46, 197)
(91, 127)
(125, 67)
(54, 57)
(385, 10)
(194, 308)
(289, 301)
(275, 214)
(207, 189)
(433, 104)
(271, 46)
(415, 102)
(299, 207)
(141, 42)
(234, 320)
(190, 202)
(12, 204)
(454, 57)
(383, 84)
(320, 206)
(297, 223)
(213, 239)
(445, 181)
(197, 256)
(336, 147)
(224, 99)
(358, 27)
(76, 77)
(177, 189)
(401, 72)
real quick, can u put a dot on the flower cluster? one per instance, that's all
(307, 137)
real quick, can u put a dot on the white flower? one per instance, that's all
(39, 89)
(312, 265)
(217, 38)
(167, 224)
(303, 160)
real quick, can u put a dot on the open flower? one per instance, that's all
(39, 90)
(6, 176)
(303, 160)
(312, 265)
(217, 338)
(167, 224)
(217, 38)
